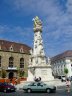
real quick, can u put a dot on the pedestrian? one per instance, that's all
(39, 78)
(10, 80)
(16, 81)
(68, 84)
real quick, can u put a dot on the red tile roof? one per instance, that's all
(62, 55)
(5, 46)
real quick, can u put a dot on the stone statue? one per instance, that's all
(37, 22)
(31, 51)
(49, 61)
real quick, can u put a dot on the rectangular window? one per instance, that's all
(11, 64)
(21, 65)
(11, 59)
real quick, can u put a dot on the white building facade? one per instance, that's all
(60, 62)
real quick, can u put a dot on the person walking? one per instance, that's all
(68, 84)
(16, 81)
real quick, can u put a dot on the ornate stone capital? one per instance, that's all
(38, 28)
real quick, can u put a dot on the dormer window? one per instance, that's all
(21, 50)
(11, 48)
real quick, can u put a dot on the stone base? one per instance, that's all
(45, 72)
(30, 76)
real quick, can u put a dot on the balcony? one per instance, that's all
(12, 68)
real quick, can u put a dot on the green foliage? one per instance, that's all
(21, 73)
(66, 71)
(3, 73)
(26, 74)
(0, 73)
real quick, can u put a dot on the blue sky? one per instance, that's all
(16, 23)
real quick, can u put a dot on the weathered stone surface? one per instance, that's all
(5, 61)
(38, 66)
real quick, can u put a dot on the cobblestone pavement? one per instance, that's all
(61, 92)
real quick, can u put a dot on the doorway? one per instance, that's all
(11, 75)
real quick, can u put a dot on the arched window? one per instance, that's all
(11, 61)
(21, 62)
(0, 61)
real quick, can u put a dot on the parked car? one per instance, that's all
(63, 78)
(71, 78)
(39, 87)
(59, 77)
(6, 87)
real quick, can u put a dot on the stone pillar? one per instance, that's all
(38, 66)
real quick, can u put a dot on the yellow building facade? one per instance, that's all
(14, 59)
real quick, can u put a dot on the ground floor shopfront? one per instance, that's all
(12, 76)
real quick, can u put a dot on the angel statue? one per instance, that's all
(37, 22)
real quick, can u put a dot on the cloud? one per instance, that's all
(44, 7)
(14, 29)
(57, 21)
(16, 33)
(4, 29)
(69, 6)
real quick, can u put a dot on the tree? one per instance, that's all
(3, 73)
(22, 73)
(0, 73)
(66, 71)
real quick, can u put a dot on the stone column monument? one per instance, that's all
(38, 65)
